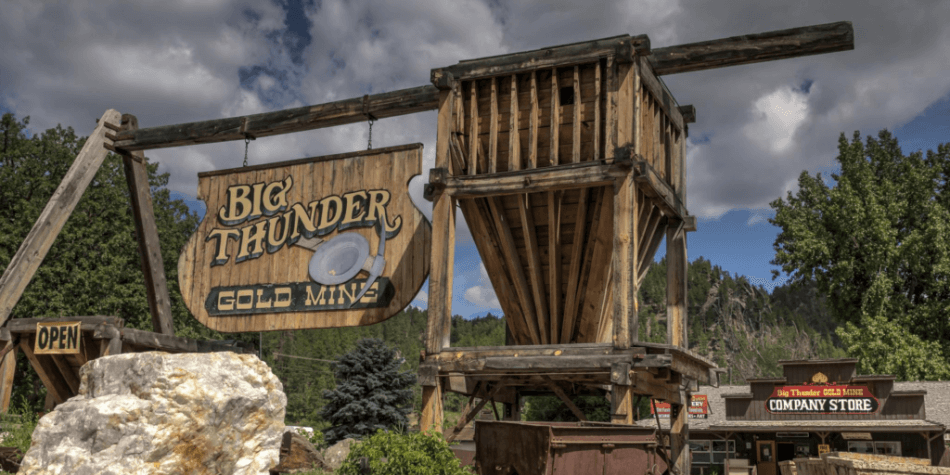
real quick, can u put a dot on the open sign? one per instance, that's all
(57, 338)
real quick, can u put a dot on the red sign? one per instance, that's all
(698, 407)
(819, 399)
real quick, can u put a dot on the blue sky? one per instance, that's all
(758, 126)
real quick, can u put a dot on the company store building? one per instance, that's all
(816, 406)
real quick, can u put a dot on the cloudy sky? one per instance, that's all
(758, 126)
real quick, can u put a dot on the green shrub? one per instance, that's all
(391, 453)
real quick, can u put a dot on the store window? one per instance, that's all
(877, 447)
(709, 454)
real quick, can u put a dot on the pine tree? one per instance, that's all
(371, 392)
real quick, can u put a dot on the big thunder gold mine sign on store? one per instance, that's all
(314, 243)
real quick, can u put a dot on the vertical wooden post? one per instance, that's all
(626, 208)
(679, 437)
(621, 394)
(513, 411)
(439, 325)
(676, 268)
(150, 252)
(34, 248)
(7, 370)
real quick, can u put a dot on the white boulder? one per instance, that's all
(160, 413)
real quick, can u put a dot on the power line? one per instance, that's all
(304, 357)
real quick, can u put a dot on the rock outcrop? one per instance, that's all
(298, 455)
(160, 413)
(337, 453)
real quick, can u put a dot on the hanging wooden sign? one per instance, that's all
(57, 338)
(320, 242)
(822, 399)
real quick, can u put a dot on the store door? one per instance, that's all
(765, 457)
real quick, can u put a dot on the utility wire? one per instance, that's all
(304, 357)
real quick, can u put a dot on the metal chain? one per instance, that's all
(369, 141)
(247, 140)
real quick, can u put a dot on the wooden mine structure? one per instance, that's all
(568, 164)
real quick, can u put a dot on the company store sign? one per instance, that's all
(822, 399)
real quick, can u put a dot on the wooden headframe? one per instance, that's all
(569, 170)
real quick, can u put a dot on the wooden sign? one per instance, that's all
(824, 448)
(698, 407)
(57, 338)
(822, 399)
(320, 242)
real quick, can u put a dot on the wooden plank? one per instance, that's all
(555, 119)
(443, 241)
(467, 417)
(676, 279)
(653, 185)
(573, 276)
(533, 123)
(32, 251)
(597, 113)
(158, 341)
(554, 263)
(679, 437)
(564, 398)
(534, 266)
(28, 325)
(576, 129)
(621, 404)
(7, 370)
(473, 134)
(598, 267)
(432, 412)
(493, 129)
(665, 100)
(568, 55)
(46, 370)
(150, 251)
(561, 177)
(754, 48)
(346, 111)
(624, 263)
(514, 142)
(647, 257)
(513, 263)
(516, 364)
(68, 374)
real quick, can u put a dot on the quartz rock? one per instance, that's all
(160, 413)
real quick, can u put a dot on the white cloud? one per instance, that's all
(483, 294)
(422, 297)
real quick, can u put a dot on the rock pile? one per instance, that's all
(159, 413)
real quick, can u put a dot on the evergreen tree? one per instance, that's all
(371, 393)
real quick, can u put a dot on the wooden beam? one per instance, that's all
(150, 251)
(7, 370)
(432, 410)
(38, 242)
(561, 177)
(28, 325)
(676, 279)
(621, 404)
(554, 263)
(67, 372)
(624, 46)
(535, 273)
(645, 383)
(514, 139)
(598, 96)
(513, 264)
(689, 114)
(563, 397)
(443, 240)
(679, 437)
(46, 370)
(347, 111)
(576, 128)
(624, 261)
(747, 49)
(489, 364)
(654, 186)
(468, 416)
(533, 120)
(493, 128)
(660, 92)
(574, 272)
(158, 341)
(555, 127)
